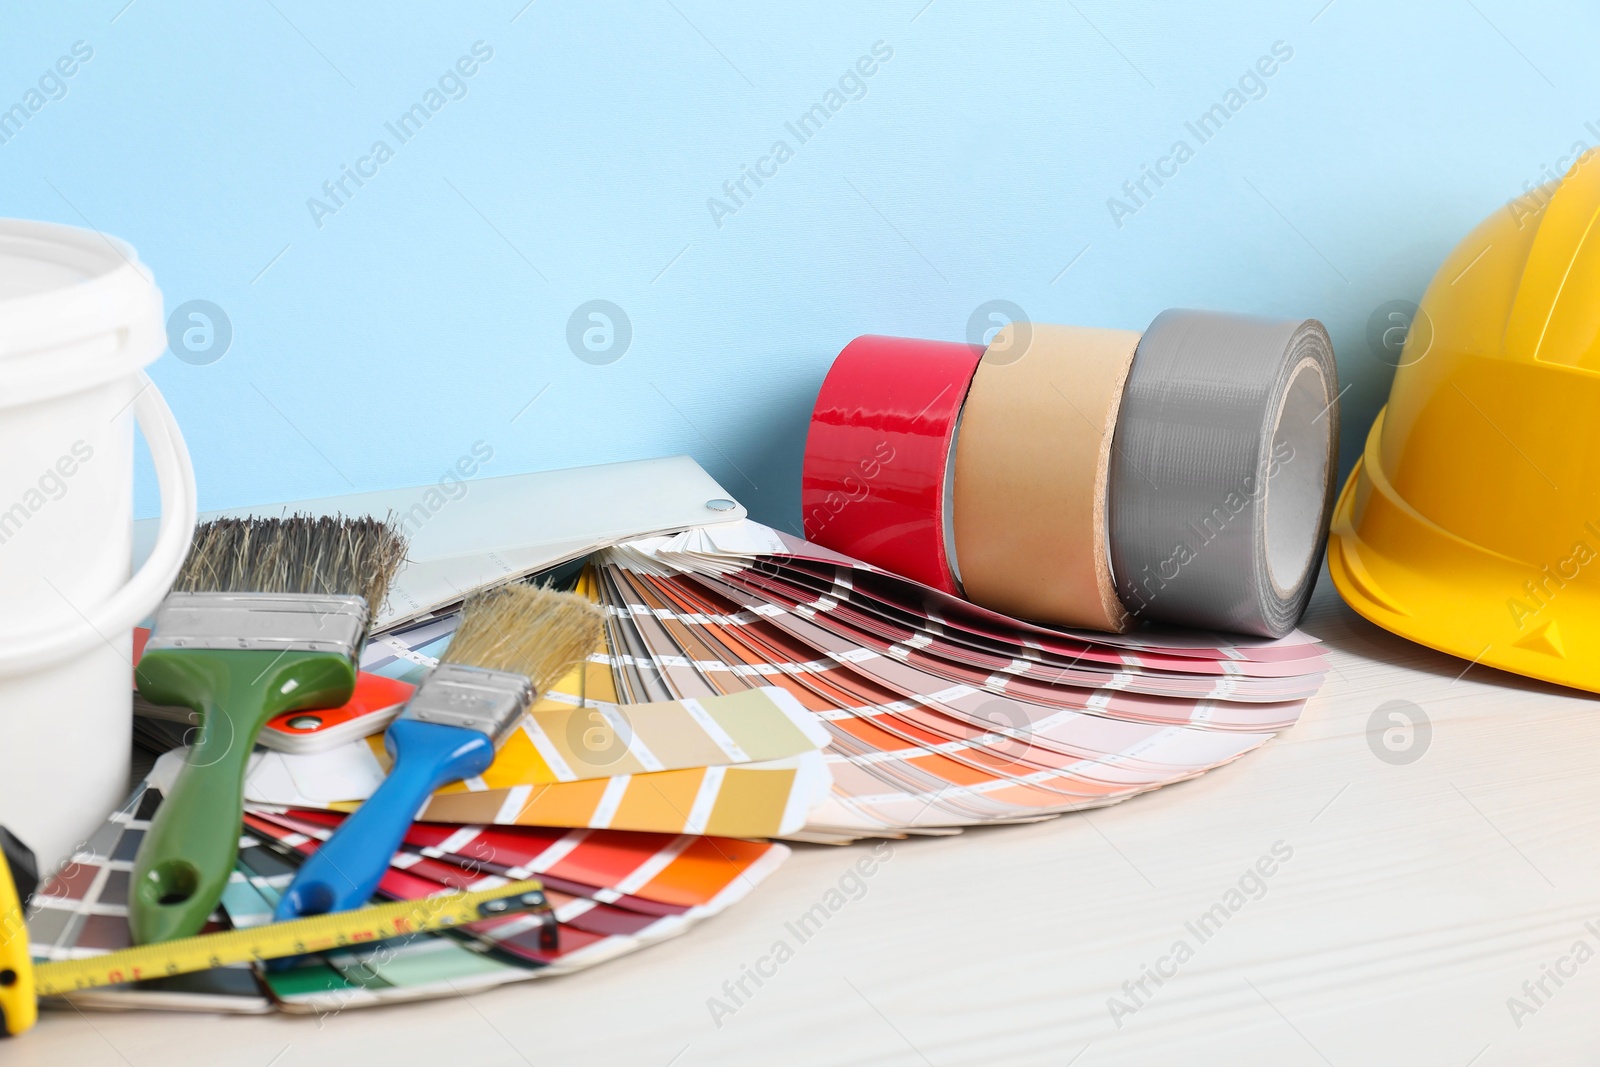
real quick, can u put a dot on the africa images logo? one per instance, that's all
(450, 85)
(1252, 85)
(851, 85)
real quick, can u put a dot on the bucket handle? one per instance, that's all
(134, 601)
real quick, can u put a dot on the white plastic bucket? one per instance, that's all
(79, 319)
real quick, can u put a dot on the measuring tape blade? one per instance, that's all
(321, 933)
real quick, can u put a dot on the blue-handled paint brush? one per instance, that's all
(513, 643)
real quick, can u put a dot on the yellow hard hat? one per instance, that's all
(1471, 522)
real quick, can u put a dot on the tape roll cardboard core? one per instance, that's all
(1292, 508)
(1032, 474)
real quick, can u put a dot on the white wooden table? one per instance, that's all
(1416, 900)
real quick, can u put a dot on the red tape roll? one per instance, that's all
(879, 450)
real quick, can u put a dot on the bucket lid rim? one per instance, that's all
(111, 252)
(116, 288)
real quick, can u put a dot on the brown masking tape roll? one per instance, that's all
(1033, 460)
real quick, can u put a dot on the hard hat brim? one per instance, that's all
(1411, 577)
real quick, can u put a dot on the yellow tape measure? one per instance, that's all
(21, 981)
(320, 933)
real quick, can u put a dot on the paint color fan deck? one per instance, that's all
(750, 687)
(612, 892)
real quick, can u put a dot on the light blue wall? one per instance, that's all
(431, 308)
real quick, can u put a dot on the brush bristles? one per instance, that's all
(527, 630)
(296, 554)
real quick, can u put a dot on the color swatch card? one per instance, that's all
(745, 545)
(566, 743)
(901, 764)
(612, 893)
(764, 799)
(677, 874)
(942, 714)
(82, 911)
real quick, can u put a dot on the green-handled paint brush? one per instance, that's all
(266, 616)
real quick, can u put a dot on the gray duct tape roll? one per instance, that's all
(1222, 471)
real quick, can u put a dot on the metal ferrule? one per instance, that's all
(261, 622)
(490, 702)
